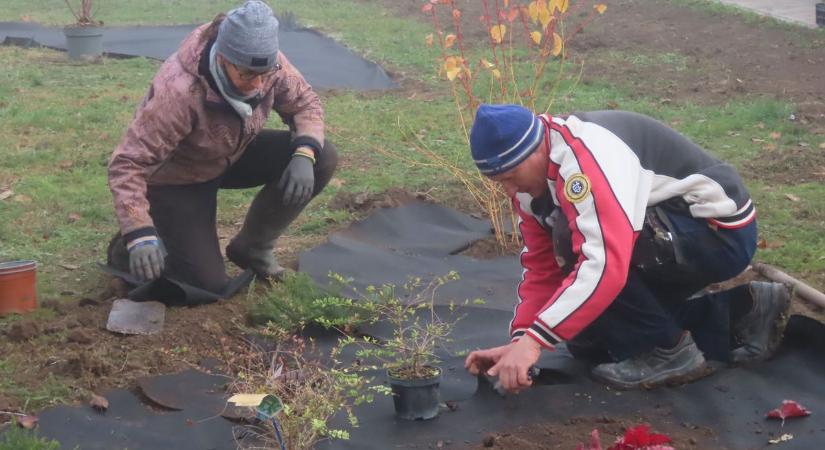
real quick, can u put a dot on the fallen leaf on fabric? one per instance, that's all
(247, 399)
(99, 403)
(784, 438)
(788, 409)
(640, 438)
(792, 197)
(28, 422)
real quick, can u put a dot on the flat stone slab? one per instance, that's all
(143, 318)
(797, 11)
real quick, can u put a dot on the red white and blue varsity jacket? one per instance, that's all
(606, 168)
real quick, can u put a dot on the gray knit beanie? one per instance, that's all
(248, 37)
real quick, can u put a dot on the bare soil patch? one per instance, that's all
(569, 434)
(75, 349)
(725, 55)
(365, 202)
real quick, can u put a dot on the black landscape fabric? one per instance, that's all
(731, 401)
(311, 52)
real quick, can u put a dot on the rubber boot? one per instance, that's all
(267, 218)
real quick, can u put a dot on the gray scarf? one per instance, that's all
(238, 102)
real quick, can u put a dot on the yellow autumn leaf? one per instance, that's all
(600, 8)
(429, 40)
(449, 40)
(533, 11)
(451, 68)
(497, 32)
(558, 44)
(496, 73)
(536, 36)
(247, 399)
(487, 64)
(545, 17)
(559, 5)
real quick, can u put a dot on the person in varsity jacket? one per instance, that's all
(624, 222)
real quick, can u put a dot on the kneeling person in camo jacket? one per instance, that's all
(200, 128)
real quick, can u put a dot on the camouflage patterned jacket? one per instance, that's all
(184, 132)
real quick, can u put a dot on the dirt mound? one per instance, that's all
(364, 202)
(23, 331)
(490, 248)
(576, 430)
(75, 350)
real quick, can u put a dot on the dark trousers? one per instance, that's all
(185, 216)
(656, 305)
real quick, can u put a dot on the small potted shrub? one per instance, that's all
(84, 38)
(409, 355)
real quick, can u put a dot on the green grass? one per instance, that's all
(364, 26)
(19, 439)
(49, 391)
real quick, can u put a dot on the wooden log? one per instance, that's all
(803, 290)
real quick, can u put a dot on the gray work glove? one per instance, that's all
(298, 181)
(146, 260)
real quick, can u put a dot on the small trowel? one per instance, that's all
(539, 376)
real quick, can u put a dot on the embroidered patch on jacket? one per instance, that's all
(577, 188)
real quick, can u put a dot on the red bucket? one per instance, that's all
(17, 287)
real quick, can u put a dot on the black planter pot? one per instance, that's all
(820, 14)
(84, 41)
(416, 399)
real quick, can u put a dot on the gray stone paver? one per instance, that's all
(797, 11)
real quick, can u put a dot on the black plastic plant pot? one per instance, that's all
(416, 399)
(820, 14)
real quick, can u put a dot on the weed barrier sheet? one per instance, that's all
(325, 63)
(188, 410)
(412, 241)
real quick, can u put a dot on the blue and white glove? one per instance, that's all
(146, 258)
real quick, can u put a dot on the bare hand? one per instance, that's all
(482, 360)
(513, 365)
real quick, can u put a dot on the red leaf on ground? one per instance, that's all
(28, 422)
(640, 438)
(788, 409)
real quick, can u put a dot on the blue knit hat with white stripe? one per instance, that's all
(503, 136)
